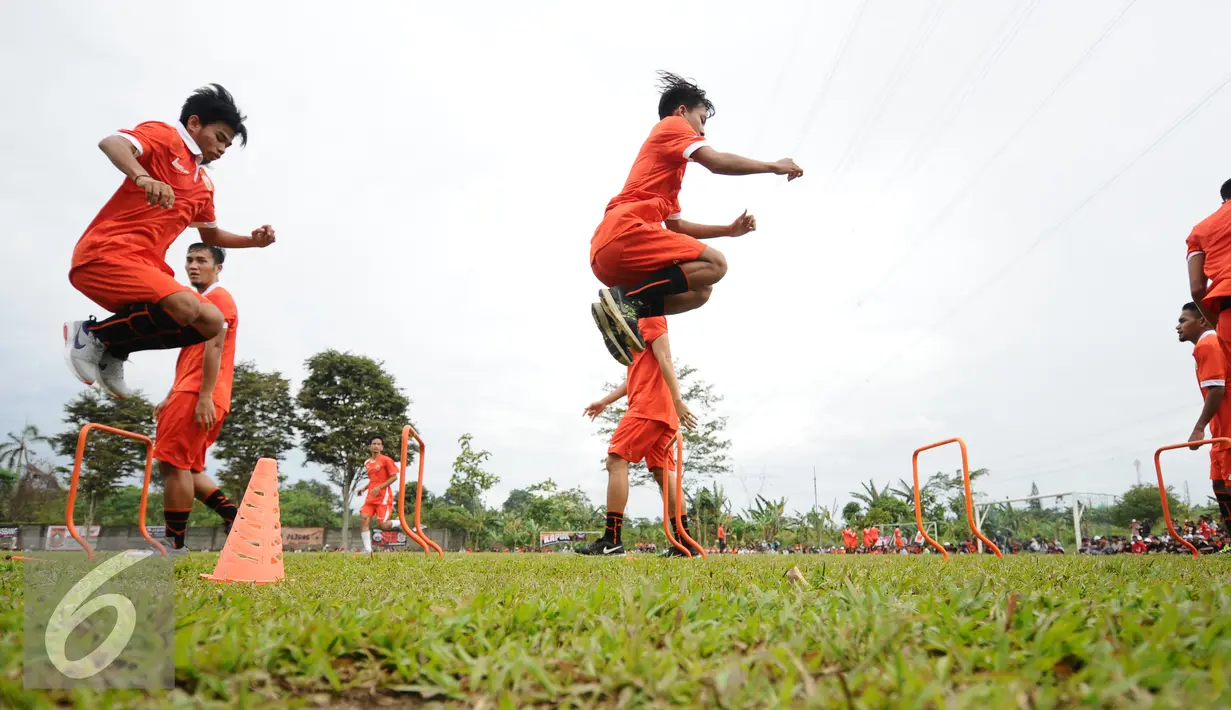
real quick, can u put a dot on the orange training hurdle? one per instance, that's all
(970, 512)
(145, 486)
(417, 533)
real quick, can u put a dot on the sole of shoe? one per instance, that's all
(68, 359)
(102, 382)
(615, 346)
(628, 335)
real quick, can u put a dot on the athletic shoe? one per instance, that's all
(82, 351)
(674, 551)
(175, 553)
(615, 345)
(111, 376)
(602, 547)
(622, 312)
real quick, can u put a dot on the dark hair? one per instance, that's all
(218, 253)
(378, 436)
(1192, 308)
(678, 91)
(1225, 192)
(214, 104)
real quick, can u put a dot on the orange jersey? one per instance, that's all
(380, 469)
(191, 362)
(127, 223)
(648, 394)
(652, 191)
(1212, 372)
(1212, 237)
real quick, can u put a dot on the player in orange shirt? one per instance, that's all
(378, 503)
(190, 416)
(645, 432)
(1216, 411)
(120, 260)
(651, 270)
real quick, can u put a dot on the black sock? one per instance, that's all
(684, 523)
(615, 528)
(1223, 496)
(143, 326)
(220, 504)
(177, 525)
(650, 295)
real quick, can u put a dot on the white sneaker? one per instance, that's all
(82, 352)
(111, 376)
(175, 553)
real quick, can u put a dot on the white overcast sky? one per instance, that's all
(435, 172)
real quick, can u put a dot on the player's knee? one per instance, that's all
(184, 307)
(717, 262)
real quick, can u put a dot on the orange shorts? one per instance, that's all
(640, 250)
(636, 439)
(178, 440)
(124, 279)
(1220, 464)
(376, 509)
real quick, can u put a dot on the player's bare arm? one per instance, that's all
(1213, 398)
(261, 237)
(1198, 284)
(123, 155)
(721, 163)
(662, 354)
(597, 408)
(742, 225)
(212, 362)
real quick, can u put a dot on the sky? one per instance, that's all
(988, 241)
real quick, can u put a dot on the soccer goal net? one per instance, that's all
(1055, 522)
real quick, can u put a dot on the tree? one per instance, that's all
(261, 424)
(469, 481)
(109, 459)
(309, 504)
(345, 401)
(767, 516)
(1143, 503)
(39, 497)
(705, 448)
(8, 491)
(1035, 504)
(852, 514)
(15, 453)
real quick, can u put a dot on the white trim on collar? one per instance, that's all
(212, 286)
(188, 141)
(1206, 334)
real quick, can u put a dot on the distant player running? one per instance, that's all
(120, 260)
(190, 417)
(651, 270)
(378, 504)
(646, 432)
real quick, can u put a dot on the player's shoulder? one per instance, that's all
(155, 129)
(673, 124)
(652, 328)
(220, 296)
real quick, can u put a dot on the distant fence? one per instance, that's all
(125, 537)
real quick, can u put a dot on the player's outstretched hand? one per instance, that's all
(594, 409)
(1197, 435)
(743, 224)
(203, 414)
(157, 193)
(787, 167)
(687, 419)
(263, 237)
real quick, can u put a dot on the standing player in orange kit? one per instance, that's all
(378, 503)
(646, 432)
(190, 417)
(120, 260)
(653, 270)
(1216, 407)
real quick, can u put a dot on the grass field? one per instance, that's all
(502, 631)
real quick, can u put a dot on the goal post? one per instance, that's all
(1043, 515)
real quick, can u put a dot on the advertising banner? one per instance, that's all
(59, 539)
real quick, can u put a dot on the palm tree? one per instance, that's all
(767, 515)
(870, 495)
(15, 453)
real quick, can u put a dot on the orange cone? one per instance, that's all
(253, 551)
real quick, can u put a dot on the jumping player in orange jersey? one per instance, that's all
(120, 260)
(645, 432)
(1216, 411)
(378, 504)
(190, 416)
(651, 270)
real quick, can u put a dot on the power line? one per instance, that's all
(975, 177)
(922, 146)
(901, 69)
(800, 25)
(828, 81)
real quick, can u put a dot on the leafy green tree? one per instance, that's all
(8, 491)
(1143, 503)
(766, 516)
(261, 424)
(706, 448)
(309, 504)
(15, 453)
(469, 481)
(852, 514)
(345, 401)
(109, 459)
